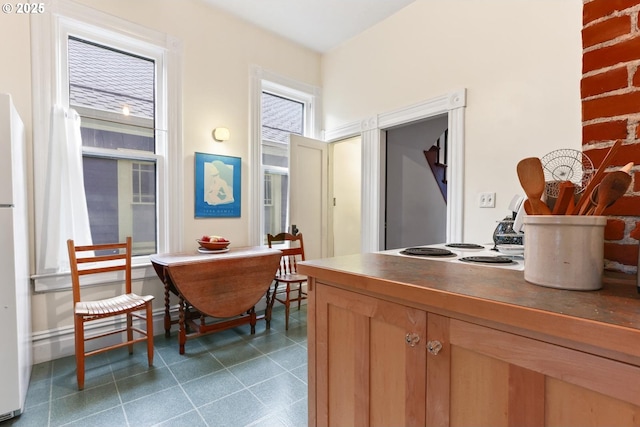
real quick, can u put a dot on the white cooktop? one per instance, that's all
(486, 251)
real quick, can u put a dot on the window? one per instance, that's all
(124, 81)
(268, 197)
(280, 107)
(114, 93)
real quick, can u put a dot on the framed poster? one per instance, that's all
(217, 186)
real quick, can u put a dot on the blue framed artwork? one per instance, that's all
(217, 186)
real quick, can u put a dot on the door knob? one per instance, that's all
(434, 347)
(412, 339)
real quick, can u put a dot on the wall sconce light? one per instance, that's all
(221, 134)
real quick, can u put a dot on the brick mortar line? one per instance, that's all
(615, 14)
(633, 63)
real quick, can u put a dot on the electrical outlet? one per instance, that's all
(487, 200)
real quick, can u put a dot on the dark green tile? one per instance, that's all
(39, 392)
(236, 353)
(302, 372)
(160, 341)
(271, 420)
(297, 332)
(222, 338)
(158, 407)
(84, 403)
(41, 371)
(170, 354)
(271, 342)
(238, 409)
(65, 385)
(191, 419)
(194, 367)
(278, 392)
(297, 414)
(124, 364)
(256, 370)
(290, 357)
(211, 387)
(97, 365)
(109, 418)
(151, 396)
(141, 385)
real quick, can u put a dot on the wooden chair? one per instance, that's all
(292, 248)
(107, 258)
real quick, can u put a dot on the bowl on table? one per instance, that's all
(213, 245)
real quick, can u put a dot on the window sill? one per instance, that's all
(62, 281)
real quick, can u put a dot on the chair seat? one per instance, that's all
(291, 278)
(112, 306)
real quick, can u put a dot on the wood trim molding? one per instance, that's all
(373, 129)
(343, 132)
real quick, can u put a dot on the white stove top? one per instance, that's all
(517, 260)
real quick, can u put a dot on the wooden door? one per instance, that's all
(367, 373)
(308, 177)
(502, 379)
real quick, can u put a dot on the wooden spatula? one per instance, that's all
(565, 195)
(531, 176)
(597, 177)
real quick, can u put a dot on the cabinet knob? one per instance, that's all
(412, 339)
(434, 347)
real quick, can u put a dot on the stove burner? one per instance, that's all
(436, 252)
(488, 259)
(464, 246)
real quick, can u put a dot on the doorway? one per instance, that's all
(373, 132)
(415, 205)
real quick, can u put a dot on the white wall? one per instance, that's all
(218, 53)
(519, 60)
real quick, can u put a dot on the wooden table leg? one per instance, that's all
(167, 314)
(252, 319)
(182, 334)
(270, 299)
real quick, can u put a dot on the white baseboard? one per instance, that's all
(57, 343)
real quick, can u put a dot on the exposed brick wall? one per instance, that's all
(610, 91)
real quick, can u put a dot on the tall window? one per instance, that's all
(114, 93)
(281, 116)
(124, 80)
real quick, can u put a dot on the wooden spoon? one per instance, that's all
(612, 187)
(597, 177)
(531, 176)
(565, 195)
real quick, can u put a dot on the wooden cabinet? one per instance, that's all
(382, 363)
(498, 378)
(367, 374)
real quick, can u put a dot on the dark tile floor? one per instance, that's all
(230, 378)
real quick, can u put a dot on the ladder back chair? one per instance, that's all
(292, 247)
(105, 258)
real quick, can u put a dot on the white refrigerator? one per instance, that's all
(15, 295)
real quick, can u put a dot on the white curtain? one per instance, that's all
(65, 210)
